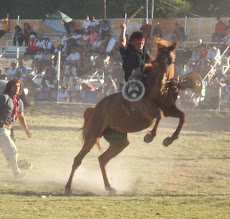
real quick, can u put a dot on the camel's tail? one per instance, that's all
(86, 115)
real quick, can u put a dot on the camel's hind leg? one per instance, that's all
(117, 145)
(89, 143)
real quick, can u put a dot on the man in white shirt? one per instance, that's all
(11, 71)
(74, 56)
(214, 55)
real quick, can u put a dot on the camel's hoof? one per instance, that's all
(148, 138)
(167, 141)
(68, 192)
(112, 191)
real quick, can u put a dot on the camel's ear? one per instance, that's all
(173, 46)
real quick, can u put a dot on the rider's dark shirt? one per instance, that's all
(7, 109)
(133, 59)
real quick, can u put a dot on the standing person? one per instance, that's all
(146, 28)
(134, 54)
(11, 107)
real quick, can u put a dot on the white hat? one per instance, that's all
(32, 36)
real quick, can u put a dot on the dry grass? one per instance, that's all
(189, 179)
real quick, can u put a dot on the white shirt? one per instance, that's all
(38, 57)
(86, 24)
(11, 72)
(74, 57)
(94, 24)
(40, 44)
(47, 45)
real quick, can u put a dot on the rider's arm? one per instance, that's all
(122, 40)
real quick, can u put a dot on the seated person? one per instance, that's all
(40, 43)
(31, 49)
(18, 36)
(27, 32)
(74, 56)
(11, 71)
(63, 95)
(48, 45)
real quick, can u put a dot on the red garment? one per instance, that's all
(15, 101)
(31, 45)
(203, 53)
(146, 28)
(220, 27)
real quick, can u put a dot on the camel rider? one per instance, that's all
(134, 53)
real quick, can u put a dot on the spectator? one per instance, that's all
(157, 32)
(219, 33)
(63, 95)
(104, 30)
(207, 68)
(75, 91)
(61, 48)
(74, 57)
(213, 93)
(48, 44)
(18, 36)
(146, 29)
(214, 54)
(11, 71)
(50, 74)
(203, 54)
(38, 59)
(178, 33)
(199, 44)
(86, 23)
(94, 23)
(3, 27)
(40, 44)
(31, 49)
(77, 36)
(21, 71)
(27, 32)
(92, 36)
(85, 40)
(196, 67)
(46, 58)
(65, 38)
(97, 45)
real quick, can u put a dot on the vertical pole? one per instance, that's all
(18, 21)
(186, 28)
(147, 9)
(58, 74)
(17, 54)
(152, 11)
(104, 6)
(186, 25)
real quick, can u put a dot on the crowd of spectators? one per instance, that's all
(85, 52)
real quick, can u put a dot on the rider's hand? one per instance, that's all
(123, 26)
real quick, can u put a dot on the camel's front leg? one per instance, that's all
(174, 112)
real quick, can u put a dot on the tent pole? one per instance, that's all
(58, 74)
